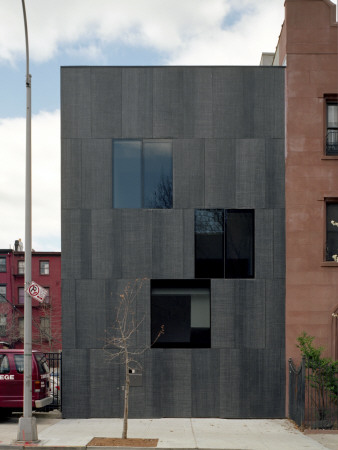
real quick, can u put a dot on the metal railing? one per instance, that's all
(313, 396)
(332, 142)
(54, 360)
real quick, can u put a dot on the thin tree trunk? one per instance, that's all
(126, 399)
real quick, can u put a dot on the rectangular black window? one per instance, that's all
(224, 243)
(332, 129)
(182, 309)
(142, 174)
(2, 263)
(332, 231)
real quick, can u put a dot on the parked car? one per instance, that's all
(11, 381)
(55, 386)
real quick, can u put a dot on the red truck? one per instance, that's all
(11, 381)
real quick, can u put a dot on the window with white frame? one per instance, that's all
(331, 250)
(332, 128)
(44, 267)
(2, 263)
(21, 267)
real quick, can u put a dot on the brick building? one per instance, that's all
(46, 317)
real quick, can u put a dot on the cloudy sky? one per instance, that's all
(101, 32)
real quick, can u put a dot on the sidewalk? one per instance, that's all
(229, 434)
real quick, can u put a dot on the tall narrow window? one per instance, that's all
(21, 296)
(158, 186)
(331, 253)
(209, 243)
(332, 129)
(21, 267)
(2, 293)
(21, 326)
(3, 324)
(127, 174)
(142, 173)
(2, 263)
(182, 308)
(224, 243)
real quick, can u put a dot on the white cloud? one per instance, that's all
(189, 30)
(45, 180)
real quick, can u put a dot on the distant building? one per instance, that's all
(176, 175)
(46, 316)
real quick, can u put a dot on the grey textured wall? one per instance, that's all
(227, 127)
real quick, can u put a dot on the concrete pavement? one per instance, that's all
(251, 434)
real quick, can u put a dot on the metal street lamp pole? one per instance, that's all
(27, 424)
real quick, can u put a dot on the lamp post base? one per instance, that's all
(27, 431)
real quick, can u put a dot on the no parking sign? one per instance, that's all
(36, 291)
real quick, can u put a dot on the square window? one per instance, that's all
(142, 174)
(331, 231)
(21, 267)
(44, 267)
(3, 264)
(224, 243)
(182, 308)
(2, 293)
(332, 128)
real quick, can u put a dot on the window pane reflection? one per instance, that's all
(142, 173)
(224, 243)
(158, 191)
(209, 243)
(127, 174)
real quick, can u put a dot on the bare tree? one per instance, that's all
(47, 327)
(9, 330)
(121, 343)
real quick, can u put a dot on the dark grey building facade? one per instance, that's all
(175, 175)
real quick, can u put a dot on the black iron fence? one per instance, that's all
(54, 360)
(313, 396)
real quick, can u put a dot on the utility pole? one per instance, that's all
(27, 424)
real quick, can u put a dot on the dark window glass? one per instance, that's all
(331, 231)
(158, 189)
(142, 174)
(42, 363)
(4, 364)
(332, 129)
(239, 254)
(19, 363)
(127, 174)
(2, 264)
(209, 243)
(224, 243)
(182, 309)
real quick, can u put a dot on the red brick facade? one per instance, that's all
(46, 317)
